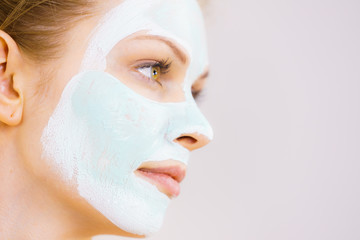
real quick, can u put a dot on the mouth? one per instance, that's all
(165, 175)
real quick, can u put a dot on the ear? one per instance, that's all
(11, 98)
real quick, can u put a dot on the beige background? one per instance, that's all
(284, 101)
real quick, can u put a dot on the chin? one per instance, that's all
(134, 205)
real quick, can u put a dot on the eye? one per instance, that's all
(151, 72)
(196, 94)
(154, 70)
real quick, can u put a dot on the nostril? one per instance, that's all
(187, 140)
(192, 141)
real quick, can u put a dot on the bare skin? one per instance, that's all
(34, 202)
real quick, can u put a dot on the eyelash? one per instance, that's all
(196, 94)
(164, 65)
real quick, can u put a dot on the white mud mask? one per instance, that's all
(102, 131)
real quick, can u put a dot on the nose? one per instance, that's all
(188, 127)
(192, 141)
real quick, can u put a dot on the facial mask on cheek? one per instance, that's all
(102, 131)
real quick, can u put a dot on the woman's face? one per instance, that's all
(119, 118)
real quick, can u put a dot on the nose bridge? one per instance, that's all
(188, 120)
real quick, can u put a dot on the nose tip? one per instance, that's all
(192, 141)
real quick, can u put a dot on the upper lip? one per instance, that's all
(172, 168)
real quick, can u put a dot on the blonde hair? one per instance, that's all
(37, 26)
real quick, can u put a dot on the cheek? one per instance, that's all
(97, 123)
(98, 135)
(117, 124)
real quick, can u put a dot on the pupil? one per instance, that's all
(154, 72)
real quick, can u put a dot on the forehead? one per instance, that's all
(178, 20)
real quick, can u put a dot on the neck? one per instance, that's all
(29, 210)
(33, 206)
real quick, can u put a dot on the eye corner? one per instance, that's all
(197, 94)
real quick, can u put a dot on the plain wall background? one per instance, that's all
(283, 98)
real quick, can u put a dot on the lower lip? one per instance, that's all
(163, 182)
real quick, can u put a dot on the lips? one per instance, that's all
(164, 175)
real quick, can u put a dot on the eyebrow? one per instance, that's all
(204, 75)
(180, 54)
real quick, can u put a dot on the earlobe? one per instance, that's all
(11, 101)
